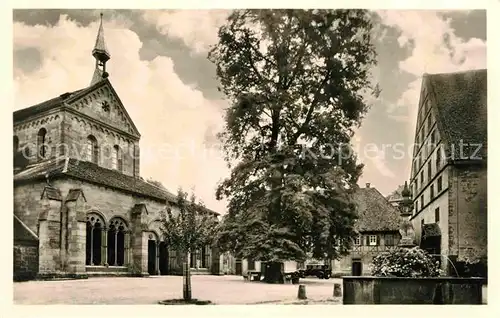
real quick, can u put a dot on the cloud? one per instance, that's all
(435, 48)
(169, 114)
(196, 28)
(374, 157)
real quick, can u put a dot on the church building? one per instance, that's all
(81, 207)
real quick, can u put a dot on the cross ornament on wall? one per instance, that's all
(105, 106)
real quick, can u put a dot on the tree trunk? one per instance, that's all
(187, 278)
(274, 273)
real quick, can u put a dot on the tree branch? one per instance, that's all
(311, 108)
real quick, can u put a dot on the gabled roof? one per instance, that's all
(375, 213)
(90, 172)
(67, 98)
(461, 108)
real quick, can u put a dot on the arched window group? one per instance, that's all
(106, 246)
(116, 242)
(95, 228)
(92, 149)
(201, 258)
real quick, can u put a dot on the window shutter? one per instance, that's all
(378, 239)
(367, 240)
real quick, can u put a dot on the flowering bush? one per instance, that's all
(405, 262)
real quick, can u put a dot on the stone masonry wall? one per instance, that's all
(109, 203)
(27, 132)
(76, 131)
(27, 204)
(468, 213)
(112, 203)
(25, 260)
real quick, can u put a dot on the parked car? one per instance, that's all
(319, 270)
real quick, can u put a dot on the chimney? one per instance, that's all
(367, 185)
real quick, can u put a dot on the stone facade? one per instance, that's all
(449, 171)
(25, 252)
(82, 196)
(467, 214)
(359, 260)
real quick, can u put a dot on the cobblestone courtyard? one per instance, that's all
(129, 290)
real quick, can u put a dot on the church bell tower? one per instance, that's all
(101, 55)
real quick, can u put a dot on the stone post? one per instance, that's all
(126, 251)
(115, 260)
(104, 246)
(157, 258)
(139, 240)
(75, 203)
(302, 292)
(216, 260)
(49, 261)
(337, 291)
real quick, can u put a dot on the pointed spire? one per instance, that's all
(100, 51)
(97, 76)
(101, 55)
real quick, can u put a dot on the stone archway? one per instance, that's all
(95, 239)
(157, 250)
(153, 253)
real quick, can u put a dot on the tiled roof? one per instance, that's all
(47, 105)
(22, 232)
(375, 213)
(93, 173)
(74, 194)
(461, 100)
(52, 193)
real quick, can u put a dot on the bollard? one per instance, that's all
(337, 291)
(302, 292)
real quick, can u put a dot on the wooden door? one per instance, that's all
(357, 268)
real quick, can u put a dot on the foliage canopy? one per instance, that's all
(297, 83)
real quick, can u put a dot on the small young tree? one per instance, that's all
(405, 262)
(187, 228)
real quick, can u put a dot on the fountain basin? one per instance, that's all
(407, 290)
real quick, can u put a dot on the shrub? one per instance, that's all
(405, 262)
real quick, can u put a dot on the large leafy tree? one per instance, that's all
(296, 82)
(187, 228)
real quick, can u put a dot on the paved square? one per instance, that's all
(223, 290)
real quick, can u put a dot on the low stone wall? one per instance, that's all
(401, 290)
(25, 260)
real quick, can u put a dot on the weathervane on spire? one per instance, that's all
(101, 55)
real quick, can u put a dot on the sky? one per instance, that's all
(160, 70)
